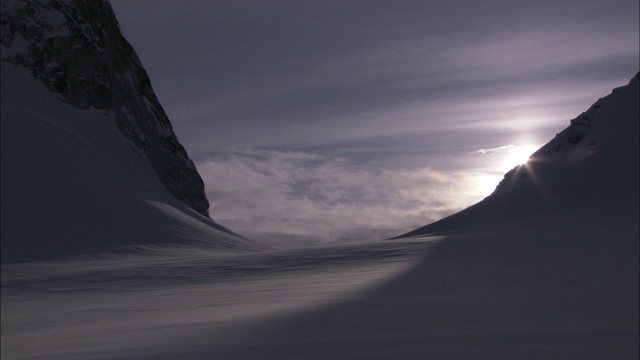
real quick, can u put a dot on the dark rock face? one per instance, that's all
(76, 49)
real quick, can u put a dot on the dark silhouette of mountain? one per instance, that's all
(587, 174)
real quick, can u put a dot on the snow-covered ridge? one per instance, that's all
(76, 49)
(588, 173)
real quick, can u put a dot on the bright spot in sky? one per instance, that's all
(517, 155)
(497, 162)
(485, 184)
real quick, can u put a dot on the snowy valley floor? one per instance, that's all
(534, 294)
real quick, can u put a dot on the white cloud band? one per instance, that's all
(293, 198)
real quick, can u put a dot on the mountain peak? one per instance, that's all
(76, 49)
(587, 174)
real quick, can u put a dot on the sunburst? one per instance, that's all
(517, 155)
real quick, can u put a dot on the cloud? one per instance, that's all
(493, 151)
(296, 198)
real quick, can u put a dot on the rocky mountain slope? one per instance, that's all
(76, 49)
(89, 158)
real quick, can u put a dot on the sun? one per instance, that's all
(517, 155)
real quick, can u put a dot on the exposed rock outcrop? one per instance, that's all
(76, 49)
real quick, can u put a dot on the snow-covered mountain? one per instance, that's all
(544, 268)
(76, 49)
(586, 175)
(89, 157)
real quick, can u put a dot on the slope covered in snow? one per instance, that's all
(588, 174)
(86, 170)
(76, 49)
(71, 183)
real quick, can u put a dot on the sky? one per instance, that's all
(318, 121)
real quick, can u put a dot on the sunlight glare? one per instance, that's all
(518, 155)
(485, 184)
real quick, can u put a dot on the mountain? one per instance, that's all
(76, 49)
(586, 175)
(544, 268)
(89, 157)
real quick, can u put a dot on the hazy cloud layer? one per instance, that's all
(278, 196)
